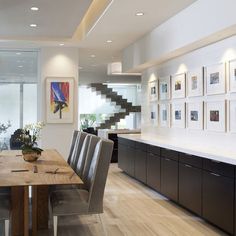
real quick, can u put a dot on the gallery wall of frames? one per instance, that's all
(169, 107)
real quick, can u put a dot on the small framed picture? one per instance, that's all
(215, 116)
(195, 82)
(178, 85)
(164, 115)
(153, 91)
(164, 88)
(232, 116)
(154, 114)
(232, 76)
(195, 115)
(215, 79)
(178, 115)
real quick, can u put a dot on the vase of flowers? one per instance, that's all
(31, 134)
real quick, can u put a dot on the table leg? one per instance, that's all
(26, 211)
(34, 210)
(17, 215)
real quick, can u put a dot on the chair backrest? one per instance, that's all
(92, 145)
(98, 174)
(82, 156)
(78, 146)
(72, 146)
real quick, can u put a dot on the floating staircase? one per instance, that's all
(125, 107)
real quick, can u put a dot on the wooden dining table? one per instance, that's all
(49, 169)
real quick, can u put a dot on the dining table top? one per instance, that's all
(50, 169)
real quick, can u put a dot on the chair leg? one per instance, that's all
(55, 220)
(7, 227)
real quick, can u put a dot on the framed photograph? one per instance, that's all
(154, 114)
(195, 115)
(178, 115)
(178, 85)
(59, 100)
(164, 88)
(232, 116)
(164, 115)
(215, 79)
(153, 91)
(232, 75)
(195, 82)
(215, 116)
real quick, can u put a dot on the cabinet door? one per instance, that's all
(190, 187)
(169, 178)
(122, 152)
(154, 171)
(130, 156)
(218, 200)
(141, 165)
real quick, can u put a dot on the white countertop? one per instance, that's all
(104, 132)
(216, 153)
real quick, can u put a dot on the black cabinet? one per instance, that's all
(140, 165)
(169, 178)
(154, 171)
(190, 187)
(218, 200)
(122, 150)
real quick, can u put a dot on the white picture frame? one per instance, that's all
(195, 115)
(59, 99)
(164, 88)
(195, 82)
(178, 115)
(153, 91)
(215, 79)
(232, 116)
(232, 76)
(154, 114)
(178, 85)
(216, 116)
(164, 114)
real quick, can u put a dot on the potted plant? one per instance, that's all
(31, 134)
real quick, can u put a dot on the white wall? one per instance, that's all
(58, 62)
(203, 22)
(222, 51)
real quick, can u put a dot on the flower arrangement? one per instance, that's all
(29, 138)
(4, 127)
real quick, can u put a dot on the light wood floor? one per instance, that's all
(132, 209)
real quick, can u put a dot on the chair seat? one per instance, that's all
(4, 207)
(73, 201)
(64, 187)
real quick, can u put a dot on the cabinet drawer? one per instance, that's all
(126, 142)
(171, 154)
(154, 150)
(218, 167)
(190, 160)
(141, 146)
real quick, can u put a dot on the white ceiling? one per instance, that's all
(57, 21)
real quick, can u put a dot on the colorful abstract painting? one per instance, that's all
(59, 100)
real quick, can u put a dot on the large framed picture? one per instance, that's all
(215, 79)
(164, 88)
(164, 112)
(195, 82)
(154, 114)
(178, 85)
(59, 100)
(232, 116)
(195, 115)
(178, 115)
(153, 91)
(215, 116)
(232, 75)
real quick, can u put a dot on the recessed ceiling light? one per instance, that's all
(93, 55)
(18, 53)
(139, 14)
(34, 8)
(61, 44)
(20, 66)
(109, 41)
(33, 25)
